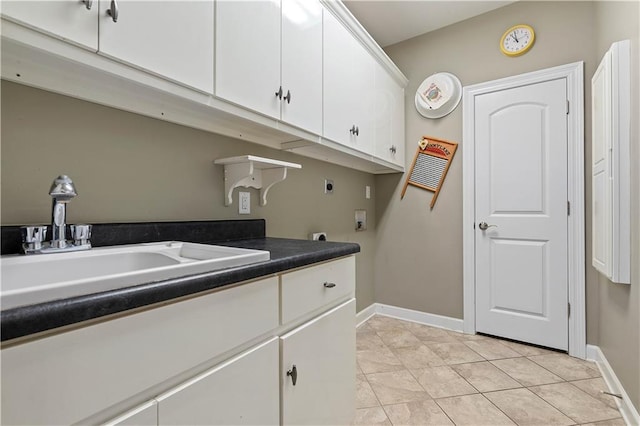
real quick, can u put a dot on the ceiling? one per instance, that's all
(393, 21)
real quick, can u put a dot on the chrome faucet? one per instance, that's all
(62, 191)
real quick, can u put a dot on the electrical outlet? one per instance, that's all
(244, 202)
(318, 236)
(361, 220)
(367, 192)
(328, 186)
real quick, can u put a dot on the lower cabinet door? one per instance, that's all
(318, 369)
(240, 391)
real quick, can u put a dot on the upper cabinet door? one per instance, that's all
(302, 64)
(388, 118)
(339, 80)
(248, 54)
(363, 93)
(71, 20)
(173, 39)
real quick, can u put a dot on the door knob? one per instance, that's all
(293, 373)
(484, 226)
(288, 97)
(279, 93)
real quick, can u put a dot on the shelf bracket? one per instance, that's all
(255, 172)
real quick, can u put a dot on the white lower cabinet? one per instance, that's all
(216, 359)
(318, 367)
(241, 391)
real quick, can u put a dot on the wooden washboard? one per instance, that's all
(430, 165)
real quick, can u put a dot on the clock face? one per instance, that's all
(517, 40)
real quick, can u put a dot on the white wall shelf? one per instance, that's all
(255, 172)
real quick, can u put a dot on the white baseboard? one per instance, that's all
(432, 320)
(365, 314)
(629, 412)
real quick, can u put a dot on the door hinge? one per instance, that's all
(568, 310)
(568, 208)
(567, 106)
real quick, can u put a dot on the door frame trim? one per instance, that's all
(574, 75)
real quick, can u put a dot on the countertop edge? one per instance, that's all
(20, 322)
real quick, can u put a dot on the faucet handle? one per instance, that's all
(81, 234)
(33, 237)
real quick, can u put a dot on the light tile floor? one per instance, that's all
(412, 374)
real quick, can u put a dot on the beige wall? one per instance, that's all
(429, 268)
(130, 168)
(418, 263)
(619, 304)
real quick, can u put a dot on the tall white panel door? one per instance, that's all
(610, 103)
(521, 214)
(339, 81)
(302, 64)
(241, 391)
(71, 20)
(322, 354)
(173, 39)
(600, 179)
(363, 93)
(248, 54)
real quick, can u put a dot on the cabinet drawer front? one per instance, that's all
(240, 391)
(311, 288)
(68, 377)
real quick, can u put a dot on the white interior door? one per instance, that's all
(521, 194)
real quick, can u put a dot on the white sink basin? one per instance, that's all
(33, 279)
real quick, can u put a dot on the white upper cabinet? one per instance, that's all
(388, 118)
(338, 70)
(269, 58)
(248, 54)
(173, 39)
(302, 64)
(299, 75)
(71, 20)
(348, 86)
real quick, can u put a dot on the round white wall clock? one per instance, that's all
(517, 40)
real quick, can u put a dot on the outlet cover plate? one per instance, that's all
(244, 202)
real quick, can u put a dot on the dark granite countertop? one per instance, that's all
(285, 254)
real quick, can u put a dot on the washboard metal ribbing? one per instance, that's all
(430, 165)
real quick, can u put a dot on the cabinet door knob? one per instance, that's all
(113, 10)
(357, 131)
(293, 373)
(329, 285)
(354, 130)
(279, 93)
(393, 149)
(88, 4)
(288, 97)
